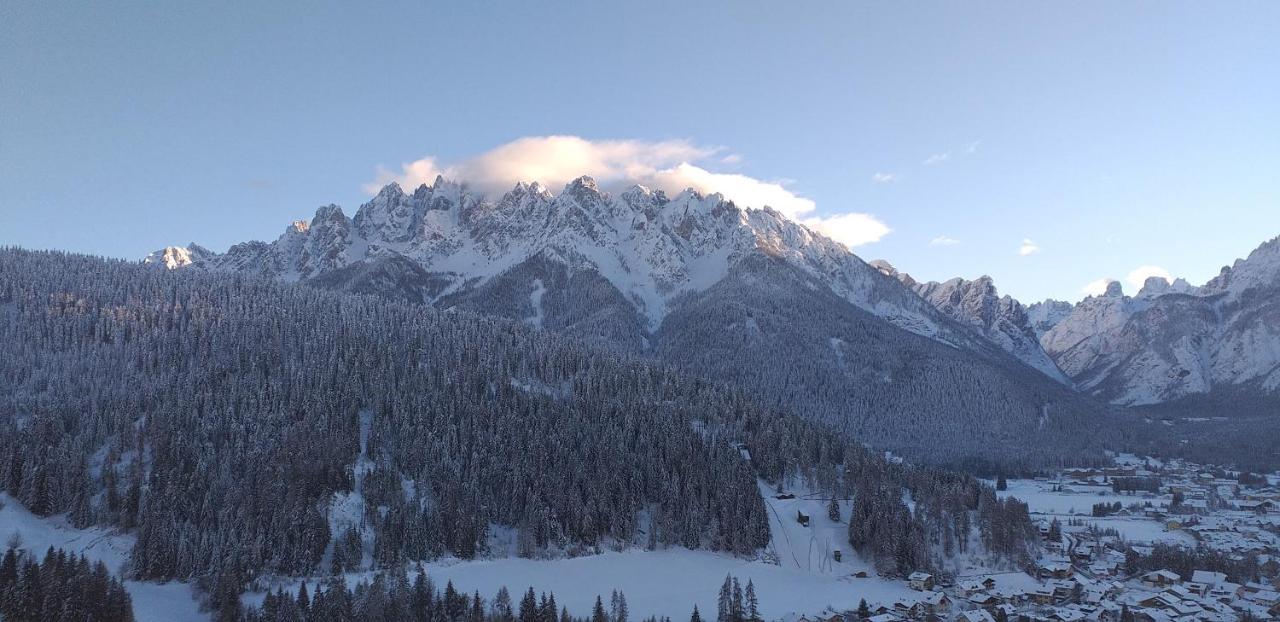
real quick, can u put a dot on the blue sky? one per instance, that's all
(1107, 136)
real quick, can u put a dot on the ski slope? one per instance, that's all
(810, 548)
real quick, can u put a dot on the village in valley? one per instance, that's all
(1144, 540)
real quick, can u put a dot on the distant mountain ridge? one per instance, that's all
(1171, 341)
(1174, 341)
(1002, 320)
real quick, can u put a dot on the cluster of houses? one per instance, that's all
(1157, 596)
(1082, 576)
(1164, 595)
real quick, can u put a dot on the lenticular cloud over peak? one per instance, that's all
(669, 165)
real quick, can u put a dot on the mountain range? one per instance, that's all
(1218, 343)
(939, 370)
(1173, 341)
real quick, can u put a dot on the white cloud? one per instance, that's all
(552, 160)
(1097, 288)
(1028, 247)
(937, 158)
(972, 147)
(671, 166)
(851, 229)
(741, 189)
(884, 178)
(1138, 277)
(943, 240)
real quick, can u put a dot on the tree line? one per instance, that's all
(392, 597)
(63, 587)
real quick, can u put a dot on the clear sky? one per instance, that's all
(1045, 144)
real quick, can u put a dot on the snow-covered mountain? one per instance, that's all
(738, 294)
(172, 257)
(1002, 320)
(1046, 314)
(653, 249)
(1173, 340)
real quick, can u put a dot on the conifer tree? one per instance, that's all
(753, 603)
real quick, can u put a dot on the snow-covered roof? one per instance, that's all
(1207, 577)
(976, 615)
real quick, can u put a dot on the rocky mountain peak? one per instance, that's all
(389, 192)
(1174, 340)
(977, 304)
(173, 257)
(583, 185)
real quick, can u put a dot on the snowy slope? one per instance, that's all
(152, 602)
(810, 548)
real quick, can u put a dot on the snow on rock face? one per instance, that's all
(1043, 316)
(173, 257)
(1173, 340)
(651, 247)
(1157, 286)
(976, 304)
(1002, 320)
(1079, 340)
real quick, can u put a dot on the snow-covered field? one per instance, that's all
(660, 583)
(1042, 499)
(806, 579)
(152, 602)
(670, 582)
(1138, 529)
(1076, 501)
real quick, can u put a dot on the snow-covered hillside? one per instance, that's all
(152, 602)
